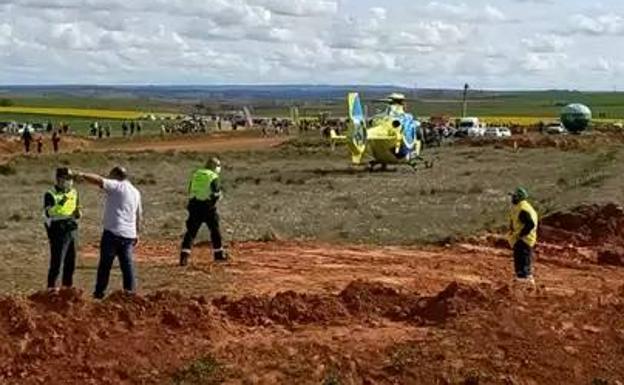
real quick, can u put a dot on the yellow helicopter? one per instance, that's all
(394, 137)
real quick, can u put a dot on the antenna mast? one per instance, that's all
(465, 101)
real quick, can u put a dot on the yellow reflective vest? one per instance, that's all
(65, 204)
(517, 225)
(200, 184)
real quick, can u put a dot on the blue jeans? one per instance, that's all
(63, 242)
(112, 246)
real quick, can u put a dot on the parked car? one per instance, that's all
(497, 132)
(471, 127)
(24, 126)
(555, 128)
(9, 127)
(4, 127)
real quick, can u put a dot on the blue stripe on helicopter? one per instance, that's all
(357, 112)
(409, 128)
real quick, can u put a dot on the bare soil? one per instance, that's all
(11, 146)
(301, 312)
(197, 143)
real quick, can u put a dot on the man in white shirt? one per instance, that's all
(122, 224)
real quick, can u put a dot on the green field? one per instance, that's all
(523, 104)
(78, 125)
(95, 102)
(605, 105)
(541, 105)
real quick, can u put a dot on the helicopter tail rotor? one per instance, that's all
(356, 132)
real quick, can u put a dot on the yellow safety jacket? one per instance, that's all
(517, 225)
(200, 184)
(65, 205)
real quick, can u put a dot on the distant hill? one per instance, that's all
(182, 93)
(274, 100)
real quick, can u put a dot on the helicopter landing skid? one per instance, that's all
(415, 161)
(372, 164)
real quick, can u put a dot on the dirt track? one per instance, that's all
(216, 143)
(12, 147)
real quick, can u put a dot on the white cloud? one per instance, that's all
(602, 65)
(300, 7)
(379, 13)
(541, 62)
(545, 43)
(70, 36)
(503, 43)
(462, 12)
(608, 24)
(375, 32)
(6, 34)
(494, 14)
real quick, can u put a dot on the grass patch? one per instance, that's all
(594, 174)
(401, 358)
(7, 169)
(205, 370)
(16, 217)
(332, 377)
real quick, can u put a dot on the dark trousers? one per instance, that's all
(200, 213)
(112, 246)
(523, 258)
(63, 242)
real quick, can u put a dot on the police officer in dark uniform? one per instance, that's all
(62, 211)
(204, 193)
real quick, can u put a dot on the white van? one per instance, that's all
(471, 127)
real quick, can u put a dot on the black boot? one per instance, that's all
(219, 255)
(184, 257)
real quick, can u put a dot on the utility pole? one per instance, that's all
(465, 101)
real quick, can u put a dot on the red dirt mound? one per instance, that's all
(61, 302)
(585, 226)
(65, 338)
(451, 302)
(16, 316)
(612, 257)
(359, 300)
(97, 342)
(561, 142)
(365, 298)
(287, 308)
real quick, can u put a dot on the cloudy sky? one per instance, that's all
(503, 44)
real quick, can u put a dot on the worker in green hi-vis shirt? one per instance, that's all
(204, 193)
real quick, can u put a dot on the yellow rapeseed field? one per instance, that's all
(78, 112)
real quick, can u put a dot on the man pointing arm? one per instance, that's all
(121, 227)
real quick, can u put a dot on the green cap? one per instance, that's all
(521, 193)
